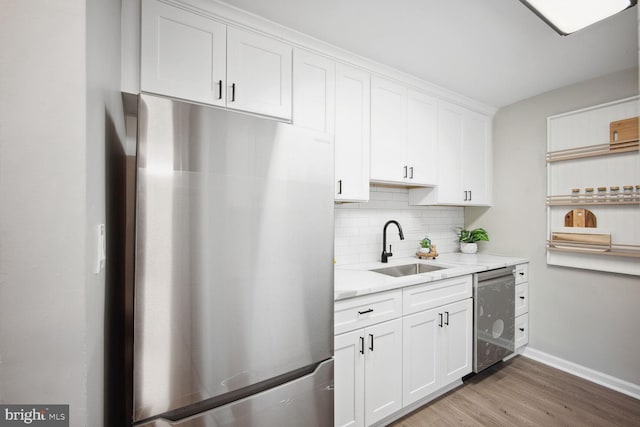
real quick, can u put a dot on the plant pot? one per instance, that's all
(425, 250)
(468, 248)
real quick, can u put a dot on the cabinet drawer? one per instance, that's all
(363, 311)
(522, 330)
(522, 299)
(522, 273)
(435, 294)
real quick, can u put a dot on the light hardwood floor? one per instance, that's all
(522, 392)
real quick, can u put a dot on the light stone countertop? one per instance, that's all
(356, 280)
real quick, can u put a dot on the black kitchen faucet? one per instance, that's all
(385, 254)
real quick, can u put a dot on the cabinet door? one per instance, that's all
(258, 74)
(522, 299)
(450, 123)
(388, 131)
(422, 138)
(457, 341)
(349, 379)
(383, 370)
(313, 91)
(522, 330)
(352, 134)
(420, 355)
(476, 159)
(182, 54)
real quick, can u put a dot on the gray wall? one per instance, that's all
(59, 80)
(586, 317)
(43, 326)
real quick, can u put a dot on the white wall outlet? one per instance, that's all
(101, 253)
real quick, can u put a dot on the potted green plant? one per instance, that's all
(469, 238)
(425, 245)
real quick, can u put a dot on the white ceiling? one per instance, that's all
(494, 51)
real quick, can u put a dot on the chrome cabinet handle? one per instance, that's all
(361, 345)
(371, 338)
(405, 172)
(446, 322)
(219, 89)
(366, 311)
(339, 186)
(440, 324)
(411, 174)
(465, 195)
(233, 92)
(470, 197)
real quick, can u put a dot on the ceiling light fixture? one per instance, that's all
(569, 16)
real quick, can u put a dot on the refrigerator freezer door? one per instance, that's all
(307, 401)
(234, 253)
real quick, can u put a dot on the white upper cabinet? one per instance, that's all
(168, 67)
(190, 56)
(476, 159)
(464, 159)
(403, 134)
(388, 131)
(422, 137)
(352, 134)
(314, 88)
(258, 74)
(450, 134)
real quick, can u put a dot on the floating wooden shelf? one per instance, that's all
(592, 151)
(631, 251)
(595, 199)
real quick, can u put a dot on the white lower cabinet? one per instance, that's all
(349, 379)
(522, 306)
(437, 348)
(522, 331)
(368, 374)
(396, 348)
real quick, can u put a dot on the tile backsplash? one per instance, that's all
(358, 226)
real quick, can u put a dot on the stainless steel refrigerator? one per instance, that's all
(233, 292)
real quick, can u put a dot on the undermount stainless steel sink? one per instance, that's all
(407, 269)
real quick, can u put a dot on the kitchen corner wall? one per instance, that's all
(586, 317)
(359, 226)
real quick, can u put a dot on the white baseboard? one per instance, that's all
(589, 374)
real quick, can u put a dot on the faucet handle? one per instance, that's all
(389, 253)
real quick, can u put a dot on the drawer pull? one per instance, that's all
(440, 324)
(521, 297)
(371, 338)
(366, 311)
(521, 329)
(446, 322)
(361, 345)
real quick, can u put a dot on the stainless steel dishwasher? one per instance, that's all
(493, 315)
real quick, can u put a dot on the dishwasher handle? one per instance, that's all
(492, 274)
(502, 280)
